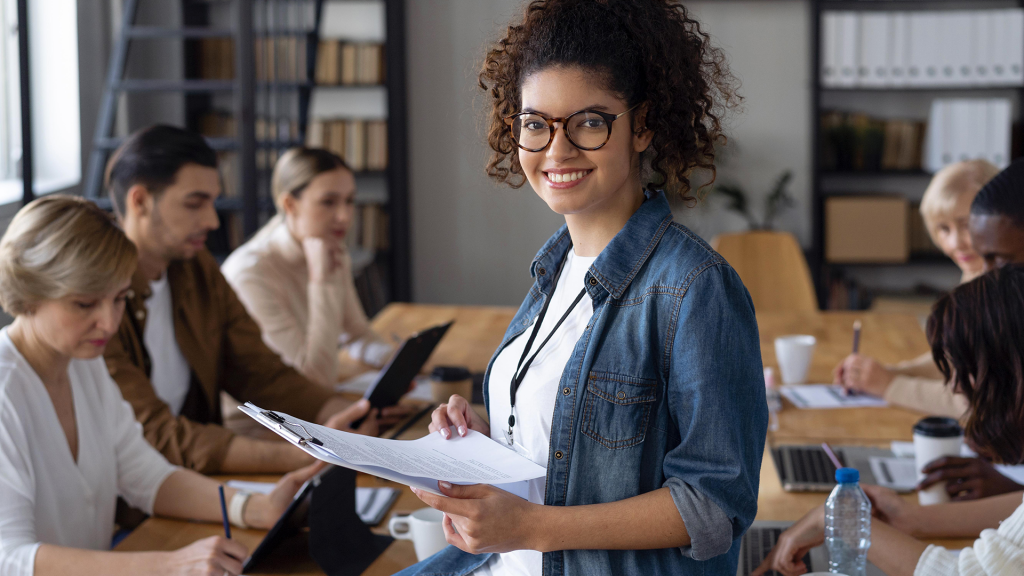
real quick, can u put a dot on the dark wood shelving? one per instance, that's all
(821, 180)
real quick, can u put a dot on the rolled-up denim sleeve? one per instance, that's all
(715, 396)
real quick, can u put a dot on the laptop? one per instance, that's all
(761, 538)
(809, 469)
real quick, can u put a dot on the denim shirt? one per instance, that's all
(663, 389)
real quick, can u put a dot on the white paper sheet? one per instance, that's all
(818, 396)
(473, 459)
(895, 473)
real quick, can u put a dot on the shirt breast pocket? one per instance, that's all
(617, 408)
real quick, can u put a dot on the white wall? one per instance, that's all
(767, 47)
(473, 241)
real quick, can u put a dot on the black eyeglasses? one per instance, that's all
(586, 129)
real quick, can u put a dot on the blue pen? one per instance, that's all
(224, 512)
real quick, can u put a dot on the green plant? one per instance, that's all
(776, 201)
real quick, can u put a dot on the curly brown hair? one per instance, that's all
(647, 52)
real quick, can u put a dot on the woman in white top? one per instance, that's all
(69, 443)
(976, 334)
(295, 276)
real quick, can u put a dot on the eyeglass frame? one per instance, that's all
(609, 118)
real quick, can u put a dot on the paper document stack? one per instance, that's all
(473, 459)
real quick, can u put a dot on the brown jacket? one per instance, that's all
(225, 350)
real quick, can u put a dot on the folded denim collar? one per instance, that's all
(622, 258)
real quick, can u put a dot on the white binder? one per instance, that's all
(955, 48)
(873, 69)
(1015, 46)
(923, 60)
(936, 152)
(982, 47)
(998, 131)
(960, 140)
(977, 140)
(849, 33)
(899, 48)
(829, 49)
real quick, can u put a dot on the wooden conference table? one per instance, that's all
(478, 331)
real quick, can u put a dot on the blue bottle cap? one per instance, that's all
(847, 475)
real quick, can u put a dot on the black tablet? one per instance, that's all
(294, 520)
(407, 362)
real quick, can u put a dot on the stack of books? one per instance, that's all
(858, 142)
(281, 59)
(362, 143)
(349, 64)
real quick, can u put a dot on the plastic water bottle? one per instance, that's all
(848, 525)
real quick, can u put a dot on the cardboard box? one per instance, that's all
(866, 229)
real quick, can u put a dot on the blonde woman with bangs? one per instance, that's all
(295, 275)
(69, 443)
(917, 384)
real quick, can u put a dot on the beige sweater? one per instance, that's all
(995, 553)
(918, 385)
(302, 321)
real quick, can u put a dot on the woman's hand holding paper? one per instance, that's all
(482, 519)
(457, 412)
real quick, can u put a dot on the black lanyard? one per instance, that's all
(521, 368)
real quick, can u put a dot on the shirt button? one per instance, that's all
(566, 391)
(140, 314)
(620, 395)
(541, 271)
(593, 281)
(558, 455)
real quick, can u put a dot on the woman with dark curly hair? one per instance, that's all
(632, 370)
(976, 334)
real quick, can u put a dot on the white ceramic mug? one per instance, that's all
(934, 438)
(793, 354)
(423, 527)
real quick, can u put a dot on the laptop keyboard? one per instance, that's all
(811, 465)
(757, 543)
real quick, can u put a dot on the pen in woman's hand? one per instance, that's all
(224, 513)
(856, 349)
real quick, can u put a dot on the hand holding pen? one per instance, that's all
(861, 374)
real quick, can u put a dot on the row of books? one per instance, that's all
(369, 229)
(277, 59)
(343, 63)
(922, 48)
(968, 128)
(362, 143)
(858, 142)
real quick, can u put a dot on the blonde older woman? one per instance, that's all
(295, 275)
(69, 443)
(917, 384)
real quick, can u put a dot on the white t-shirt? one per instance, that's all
(535, 399)
(170, 373)
(45, 495)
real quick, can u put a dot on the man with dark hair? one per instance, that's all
(185, 336)
(997, 235)
(997, 219)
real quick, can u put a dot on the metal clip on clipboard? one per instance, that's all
(283, 424)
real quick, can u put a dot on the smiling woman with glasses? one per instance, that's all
(632, 370)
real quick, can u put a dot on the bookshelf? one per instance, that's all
(878, 108)
(357, 109)
(252, 105)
